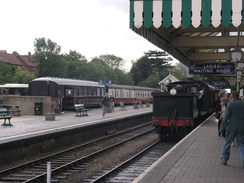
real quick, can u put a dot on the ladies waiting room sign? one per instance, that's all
(212, 68)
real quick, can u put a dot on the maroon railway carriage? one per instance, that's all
(71, 91)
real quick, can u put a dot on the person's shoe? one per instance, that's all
(224, 163)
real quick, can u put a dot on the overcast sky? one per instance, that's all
(91, 27)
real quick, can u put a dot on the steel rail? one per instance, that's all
(108, 173)
(84, 158)
(7, 171)
(69, 149)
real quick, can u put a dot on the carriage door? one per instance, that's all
(69, 99)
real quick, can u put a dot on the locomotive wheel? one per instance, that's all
(162, 131)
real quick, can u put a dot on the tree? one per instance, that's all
(159, 62)
(75, 65)
(151, 81)
(140, 70)
(112, 61)
(50, 61)
(75, 56)
(150, 68)
(13, 74)
(158, 59)
(180, 71)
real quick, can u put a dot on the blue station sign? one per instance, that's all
(219, 84)
(212, 68)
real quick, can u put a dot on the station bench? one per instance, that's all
(80, 110)
(12, 109)
(4, 115)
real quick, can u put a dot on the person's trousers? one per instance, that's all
(240, 144)
(104, 109)
(226, 151)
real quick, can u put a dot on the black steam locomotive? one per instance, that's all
(176, 110)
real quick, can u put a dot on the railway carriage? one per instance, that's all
(68, 91)
(89, 93)
(14, 89)
(129, 94)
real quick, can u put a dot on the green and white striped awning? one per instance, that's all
(186, 13)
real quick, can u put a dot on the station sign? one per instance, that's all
(219, 84)
(105, 83)
(212, 68)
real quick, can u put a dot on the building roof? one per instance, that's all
(15, 59)
(169, 77)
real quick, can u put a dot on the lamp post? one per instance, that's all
(238, 79)
(236, 56)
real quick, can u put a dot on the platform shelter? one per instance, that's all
(205, 35)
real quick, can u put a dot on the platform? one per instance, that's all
(26, 126)
(196, 159)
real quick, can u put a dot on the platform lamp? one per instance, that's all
(236, 54)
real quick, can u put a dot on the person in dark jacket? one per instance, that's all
(105, 103)
(111, 101)
(233, 127)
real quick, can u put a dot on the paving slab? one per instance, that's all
(25, 126)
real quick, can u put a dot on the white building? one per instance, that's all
(169, 79)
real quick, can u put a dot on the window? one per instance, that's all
(69, 92)
(81, 91)
(76, 91)
(98, 92)
(85, 91)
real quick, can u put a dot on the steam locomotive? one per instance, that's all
(177, 110)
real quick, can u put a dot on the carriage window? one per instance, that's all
(85, 91)
(102, 91)
(98, 92)
(69, 92)
(76, 91)
(81, 91)
(89, 91)
(94, 91)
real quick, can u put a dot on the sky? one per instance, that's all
(90, 27)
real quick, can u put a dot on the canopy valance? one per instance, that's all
(186, 13)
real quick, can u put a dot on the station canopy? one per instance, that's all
(193, 31)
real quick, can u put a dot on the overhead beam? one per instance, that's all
(212, 29)
(208, 42)
(209, 56)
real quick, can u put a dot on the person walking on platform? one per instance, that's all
(111, 101)
(233, 127)
(105, 103)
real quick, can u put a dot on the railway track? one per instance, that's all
(73, 160)
(130, 169)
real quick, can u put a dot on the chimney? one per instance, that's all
(15, 53)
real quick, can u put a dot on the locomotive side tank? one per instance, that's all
(176, 110)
